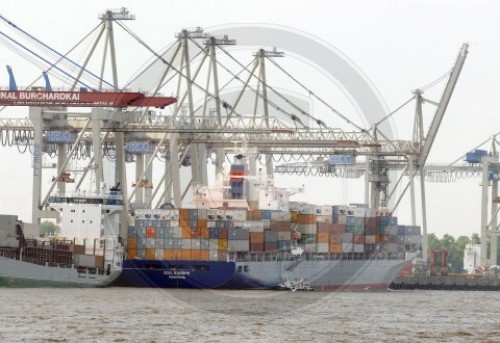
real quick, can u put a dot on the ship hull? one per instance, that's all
(321, 275)
(14, 273)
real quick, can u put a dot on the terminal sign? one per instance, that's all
(137, 147)
(342, 159)
(60, 137)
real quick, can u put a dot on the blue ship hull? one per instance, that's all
(175, 274)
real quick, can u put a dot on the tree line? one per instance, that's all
(455, 249)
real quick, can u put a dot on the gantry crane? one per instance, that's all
(197, 135)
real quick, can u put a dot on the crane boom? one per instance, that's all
(81, 99)
(443, 104)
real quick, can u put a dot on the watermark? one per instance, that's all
(230, 283)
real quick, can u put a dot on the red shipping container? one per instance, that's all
(150, 232)
(358, 239)
(339, 228)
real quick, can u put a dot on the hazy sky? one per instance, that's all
(399, 45)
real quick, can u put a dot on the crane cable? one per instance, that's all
(274, 105)
(62, 57)
(314, 95)
(201, 88)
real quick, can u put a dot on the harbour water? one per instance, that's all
(152, 315)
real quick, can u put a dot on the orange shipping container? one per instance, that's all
(256, 215)
(132, 243)
(184, 213)
(131, 252)
(256, 237)
(323, 237)
(202, 224)
(186, 233)
(205, 255)
(196, 255)
(379, 238)
(186, 254)
(306, 218)
(336, 248)
(150, 254)
(172, 254)
(336, 238)
(205, 233)
(184, 223)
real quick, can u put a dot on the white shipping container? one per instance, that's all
(174, 214)
(308, 229)
(308, 209)
(213, 244)
(310, 247)
(342, 209)
(342, 219)
(370, 239)
(284, 235)
(358, 248)
(220, 215)
(295, 206)
(84, 260)
(213, 255)
(211, 214)
(177, 232)
(266, 223)
(391, 229)
(326, 210)
(246, 225)
(322, 247)
(256, 227)
(159, 254)
(413, 239)
(238, 245)
(324, 219)
(186, 243)
(347, 247)
(240, 215)
(359, 212)
(9, 242)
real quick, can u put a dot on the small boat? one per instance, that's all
(298, 285)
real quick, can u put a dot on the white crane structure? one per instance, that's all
(203, 122)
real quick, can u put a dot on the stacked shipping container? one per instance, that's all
(216, 235)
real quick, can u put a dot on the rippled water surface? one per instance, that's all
(151, 315)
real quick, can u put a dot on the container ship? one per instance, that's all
(246, 234)
(91, 258)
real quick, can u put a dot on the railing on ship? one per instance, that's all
(111, 198)
(258, 257)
